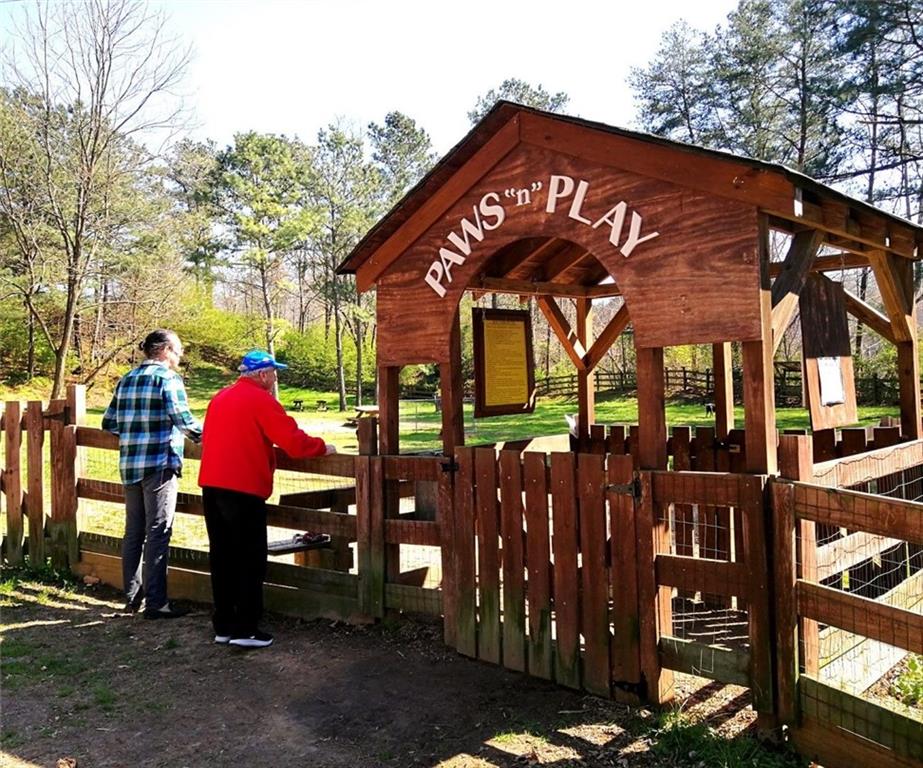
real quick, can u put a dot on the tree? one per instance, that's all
(263, 192)
(520, 92)
(403, 153)
(84, 82)
(674, 93)
(346, 189)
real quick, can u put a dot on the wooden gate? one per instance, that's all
(569, 567)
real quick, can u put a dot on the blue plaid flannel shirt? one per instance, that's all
(150, 414)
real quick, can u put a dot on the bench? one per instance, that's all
(298, 405)
(322, 405)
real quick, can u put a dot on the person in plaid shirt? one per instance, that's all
(150, 414)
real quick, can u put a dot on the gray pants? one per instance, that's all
(149, 510)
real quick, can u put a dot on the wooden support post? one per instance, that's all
(12, 482)
(63, 525)
(35, 436)
(445, 514)
(586, 388)
(786, 610)
(388, 445)
(452, 390)
(652, 423)
(759, 383)
(796, 462)
(370, 535)
(724, 389)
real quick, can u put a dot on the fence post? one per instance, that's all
(786, 613)
(12, 482)
(35, 506)
(796, 462)
(63, 525)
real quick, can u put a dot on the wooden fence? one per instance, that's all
(575, 567)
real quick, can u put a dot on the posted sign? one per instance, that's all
(504, 374)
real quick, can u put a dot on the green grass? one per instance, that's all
(682, 740)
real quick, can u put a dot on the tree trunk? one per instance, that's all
(341, 373)
(358, 362)
(30, 352)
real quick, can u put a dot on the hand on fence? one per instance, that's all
(330, 449)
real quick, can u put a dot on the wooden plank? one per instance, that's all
(896, 734)
(840, 508)
(854, 470)
(759, 407)
(511, 529)
(566, 584)
(12, 482)
(488, 535)
(595, 577)
(377, 558)
(709, 488)
(834, 262)
(869, 618)
(724, 388)
(756, 552)
(898, 305)
(711, 661)
(412, 468)
(684, 513)
(465, 568)
(658, 681)
(853, 441)
(538, 560)
(716, 577)
(626, 661)
(445, 511)
(842, 554)
(35, 464)
(788, 285)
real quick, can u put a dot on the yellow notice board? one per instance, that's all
(504, 373)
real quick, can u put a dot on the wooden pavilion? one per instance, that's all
(537, 204)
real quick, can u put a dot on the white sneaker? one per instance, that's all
(222, 639)
(259, 640)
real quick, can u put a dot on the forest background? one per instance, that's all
(103, 238)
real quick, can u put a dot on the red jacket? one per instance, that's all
(242, 423)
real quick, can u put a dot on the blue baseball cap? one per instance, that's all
(257, 360)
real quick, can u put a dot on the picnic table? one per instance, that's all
(362, 412)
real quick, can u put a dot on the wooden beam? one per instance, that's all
(788, 284)
(562, 330)
(869, 316)
(724, 665)
(493, 151)
(528, 287)
(897, 303)
(835, 262)
(604, 342)
(561, 262)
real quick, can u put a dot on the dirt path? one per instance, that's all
(83, 680)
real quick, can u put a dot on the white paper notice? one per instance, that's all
(832, 391)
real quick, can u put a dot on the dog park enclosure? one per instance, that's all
(789, 564)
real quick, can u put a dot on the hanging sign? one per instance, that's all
(504, 373)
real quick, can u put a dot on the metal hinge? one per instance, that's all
(64, 415)
(449, 466)
(630, 489)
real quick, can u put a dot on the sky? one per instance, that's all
(293, 67)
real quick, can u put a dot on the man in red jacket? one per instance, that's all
(243, 423)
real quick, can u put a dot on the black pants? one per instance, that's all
(236, 524)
